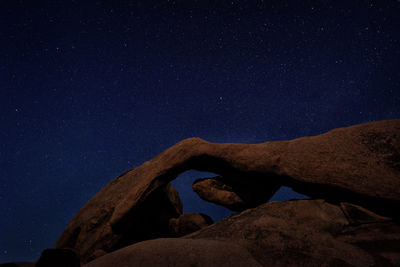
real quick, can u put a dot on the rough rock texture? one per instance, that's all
(293, 233)
(178, 252)
(311, 232)
(235, 193)
(358, 164)
(188, 223)
(216, 191)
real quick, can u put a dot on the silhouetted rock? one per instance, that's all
(357, 215)
(149, 219)
(188, 223)
(59, 258)
(358, 165)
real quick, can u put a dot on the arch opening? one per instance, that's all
(169, 212)
(286, 193)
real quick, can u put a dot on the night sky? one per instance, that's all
(90, 89)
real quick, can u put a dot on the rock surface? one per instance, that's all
(292, 233)
(188, 223)
(311, 233)
(235, 193)
(358, 164)
(178, 252)
(216, 191)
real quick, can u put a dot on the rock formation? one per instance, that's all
(235, 192)
(93, 236)
(356, 170)
(292, 233)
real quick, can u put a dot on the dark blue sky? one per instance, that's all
(89, 90)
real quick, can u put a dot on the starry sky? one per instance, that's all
(90, 89)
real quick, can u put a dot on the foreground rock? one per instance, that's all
(178, 252)
(311, 232)
(293, 233)
(358, 164)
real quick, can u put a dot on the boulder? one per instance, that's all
(216, 191)
(358, 164)
(188, 223)
(310, 233)
(292, 233)
(235, 193)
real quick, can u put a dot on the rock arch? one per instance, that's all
(357, 164)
